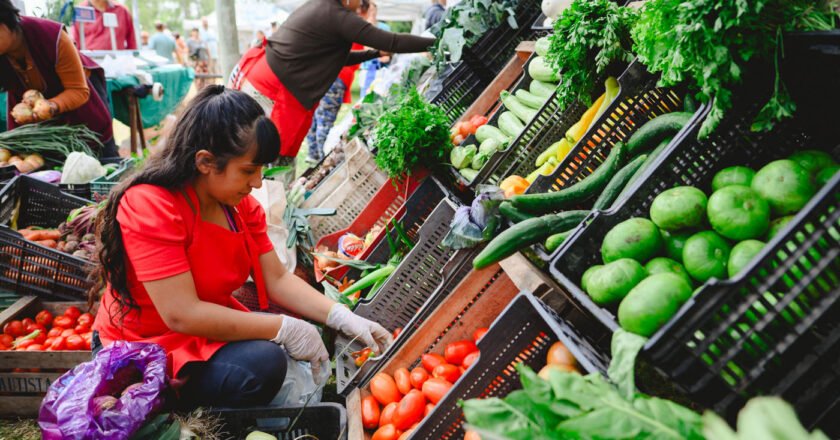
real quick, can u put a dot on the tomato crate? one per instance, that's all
(413, 288)
(85, 190)
(101, 187)
(28, 268)
(457, 92)
(321, 421)
(773, 328)
(348, 189)
(25, 376)
(414, 198)
(521, 330)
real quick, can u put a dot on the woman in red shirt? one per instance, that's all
(182, 234)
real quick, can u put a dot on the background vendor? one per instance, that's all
(98, 36)
(181, 235)
(37, 54)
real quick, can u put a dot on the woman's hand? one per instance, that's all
(303, 342)
(368, 332)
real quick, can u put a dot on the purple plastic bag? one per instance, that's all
(75, 408)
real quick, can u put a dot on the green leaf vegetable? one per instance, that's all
(766, 418)
(465, 23)
(709, 43)
(410, 134)
(588, 37)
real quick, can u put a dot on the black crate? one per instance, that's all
(713, 350)
(459, 90)
(522, 333)
(322, 421)
(29, 268)
(493, 50)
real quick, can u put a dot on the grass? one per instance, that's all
(21, 429)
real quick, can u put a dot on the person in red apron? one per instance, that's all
(181, 235)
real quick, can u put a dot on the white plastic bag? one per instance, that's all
(299, 387)
(272, 197)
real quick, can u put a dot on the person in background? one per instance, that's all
(181, 50)
(372, 66)
(37, 54)
(199, 57)
(98, 37)
(144, 40)
(329, 106)
(435, 13)
(274, 26)
(258, 40)
(163, 44)
(300, 62)
(211, 42)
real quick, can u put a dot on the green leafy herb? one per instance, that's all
(465, 23)
(765, 418)
(409, 134)
(588, 37)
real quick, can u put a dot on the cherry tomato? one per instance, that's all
(74, 342)
(44, 317)
(35, 347)
(558, 354)
(410, 410)
(85, 319)
(478, 334)
(467, 128)
(431, 360)
(6, 340)
(397, 332)
(73, 312)
(455, 352)
(402, 378)
(63, 322)
(55, 331)
(27, 322)
(428, 409)
(384, 389)
(417, 377)
(370, 412)
(386, 432)
(58, 344)
(387, 414)
(67, 332)
(478, 120)
(470, 359)
(13, 329)
(448, 372)
(471, 435)
(435, 388)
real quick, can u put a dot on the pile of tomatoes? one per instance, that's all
(463, 129)
(397, 404)
(69, 331)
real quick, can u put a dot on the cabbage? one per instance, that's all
(462, 157)
(462, 232)
(80, 168)
(485, 205)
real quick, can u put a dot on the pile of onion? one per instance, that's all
(32, 108)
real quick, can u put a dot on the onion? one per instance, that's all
(42, 109)
(5, 155)
(23, 114)
(30, 97)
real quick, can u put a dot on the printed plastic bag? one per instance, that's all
(107, 398)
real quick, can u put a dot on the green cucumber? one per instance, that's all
(526, 233)
(554, 242)
(578, 192)
(650, 159)
(530, 99)
(539, 70)
(488, 131)
(651, 134)
(522, 111)
(490, 147)
(510, 124)
(513, 214)
(541, 46)
(617, 183)
(540, 88)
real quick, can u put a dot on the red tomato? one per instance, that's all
(384, 389)
(80, 329)
(55, 331)
(44, 318)
(42, 336)
(470, 359)
(417, 377)
(466, 128)
(27, 322)
(478, 334)
(458, 140)
(85, 319)
(432, 360)
(35, 347)
(387, 414)
(370, 412)
(73, 312)
(6, 340)
(74, 342)
(23, 344)
(428, 409)
(33, 326)
(58, 344)
(64, 322)
(448, 372)
(406, 435)
(410, 410)
(397, 332)
(402, 378)
(13, 329)
(455, 352)
(435, 388)
(386, 432)
(67, 332)
(454, 131)
(478, 120)
(88, 337)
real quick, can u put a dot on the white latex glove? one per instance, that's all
(367, 332)
(303, 342)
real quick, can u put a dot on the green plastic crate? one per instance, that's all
(102, 186)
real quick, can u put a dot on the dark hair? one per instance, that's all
(159, 26)
(224, 122)
(364, 6)
(9, 15)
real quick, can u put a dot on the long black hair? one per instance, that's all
(9, 15)
(224, 122)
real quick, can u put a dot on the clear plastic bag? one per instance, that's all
(107, 398)
(299, 387)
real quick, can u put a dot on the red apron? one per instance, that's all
(220, 262)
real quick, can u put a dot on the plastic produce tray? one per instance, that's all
(321, 421)
(29, 268)
(712, 349)
(101, 187)
(459, 90)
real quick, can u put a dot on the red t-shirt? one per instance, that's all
(348, 75)
(98, 37)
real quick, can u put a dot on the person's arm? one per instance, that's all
(290, 292)
(354, 28)
(72, 75)
(360, 56)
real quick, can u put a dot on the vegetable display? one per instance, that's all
(24, 163)
(45, 332)
(76, 236)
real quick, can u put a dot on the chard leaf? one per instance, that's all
(625, 348)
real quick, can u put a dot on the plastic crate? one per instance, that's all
(496, 46)
(84, 190)
(459, 90)
(101, 187)
(321, 421)
(29, 268)
(712, 349)
(390, 202)
(348, 189)
(407, 291)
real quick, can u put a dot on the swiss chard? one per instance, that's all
(465, 23)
